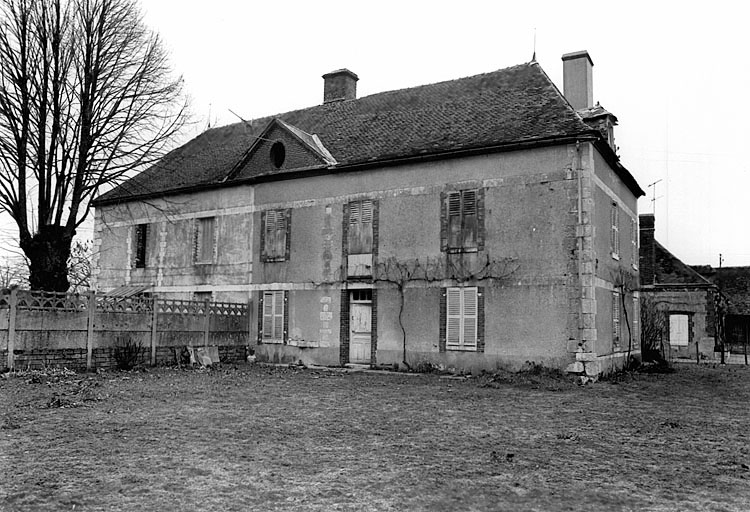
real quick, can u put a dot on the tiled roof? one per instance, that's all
(669, 269)
(734, 283)
(513, 105)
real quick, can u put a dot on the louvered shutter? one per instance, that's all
(470, 220)
(279, 247)
(454, 221)
(278, 315)
(470, 314)
(453, 317)
(268, 305)
(270, 233)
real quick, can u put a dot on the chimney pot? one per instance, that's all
(339, 85)
(578, 78)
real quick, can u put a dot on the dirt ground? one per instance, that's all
(264, 438)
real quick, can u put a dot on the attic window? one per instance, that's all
(278, 154)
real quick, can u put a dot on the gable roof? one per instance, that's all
(500, 110)
(734, 283)
(670, 270)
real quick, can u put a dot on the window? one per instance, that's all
(278, 154)
(141, 241)
(360, 232)
(462, 221)
(679, 332)
(615, 231)
(273, 327)
(202, 296)
(616, 318)
(360, 227)
(275, 235)
(634, 242)
(462, 318)
(205, 240)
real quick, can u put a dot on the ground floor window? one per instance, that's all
(273, 316)
(679, 329)
(462, 320)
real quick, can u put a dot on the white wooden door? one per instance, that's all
(360, 332)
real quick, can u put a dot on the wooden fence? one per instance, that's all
(84, 331)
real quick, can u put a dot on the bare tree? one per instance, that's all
(86, 99)
(79, 266)
(14, 272)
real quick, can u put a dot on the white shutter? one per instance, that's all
(278, 315)
(678, 330)
(453, 317)
(268, 315)
(470, 314)
(462, 318)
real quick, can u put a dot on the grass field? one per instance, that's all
(262, 438)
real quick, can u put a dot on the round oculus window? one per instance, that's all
(278, 154)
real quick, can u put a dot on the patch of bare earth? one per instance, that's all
(255, 438)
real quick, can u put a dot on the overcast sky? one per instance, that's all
(676, 76)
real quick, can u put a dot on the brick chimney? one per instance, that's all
(647, 250)
(578, 76)
(339, 85)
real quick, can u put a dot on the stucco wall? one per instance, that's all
(698, 305)
(531, 213)
(170, 267)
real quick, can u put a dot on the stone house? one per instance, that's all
(475, 223)
(688, 300)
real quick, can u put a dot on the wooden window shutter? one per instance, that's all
(480, 219)
(470, 225)
(453, 317)
(443, 222)
(455, 240)
(615, 317)
(278, 315)
(360, 227)
(275, 235)
(615, 231)
(470, 315)
(263, 251)
(268, 305)
(279, 237)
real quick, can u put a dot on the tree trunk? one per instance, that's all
(48, 252)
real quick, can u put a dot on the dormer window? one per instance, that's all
(278, 154)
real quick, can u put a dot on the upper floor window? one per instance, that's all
(360, 232)
(614, 239)
(141, 242)
(462, 218)
(205, 240)
(275, 240)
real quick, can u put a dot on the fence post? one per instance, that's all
(154, 317)
(12, 327)
(207, 321)
(90, 329)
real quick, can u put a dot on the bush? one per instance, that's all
(127, 354)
